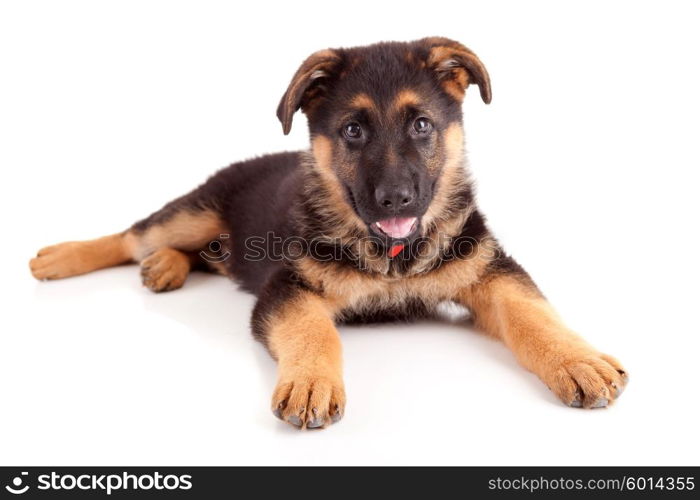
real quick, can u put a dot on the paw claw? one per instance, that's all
(600, 403)
(585, 378)
(314, 424)
(618, 390)
(308, 401)
(294, 420)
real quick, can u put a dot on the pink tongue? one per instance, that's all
(397, 227)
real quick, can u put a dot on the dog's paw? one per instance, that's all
(309, 402)
(59, 261)
(586, 379)
(165, 269)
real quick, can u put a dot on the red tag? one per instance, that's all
(395, 250)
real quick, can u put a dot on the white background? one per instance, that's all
(586, 163)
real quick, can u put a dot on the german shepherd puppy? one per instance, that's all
(377, 221)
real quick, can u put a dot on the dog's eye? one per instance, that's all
(422, 125)
(353, 130)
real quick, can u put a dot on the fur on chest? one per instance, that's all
(350, 290)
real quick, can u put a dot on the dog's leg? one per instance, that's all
(296, 325)
(509, 306)
(166, 244)
(79, 257)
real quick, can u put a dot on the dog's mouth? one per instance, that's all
(396, 227)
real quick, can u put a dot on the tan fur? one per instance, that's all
(517, 314)
(452, 177)
(363, 101)
(186, 230)
(405, 98)
(456, 65)
(303, 338)
(321, 159)
(166, 269)
(353, 289)
(322, 149)
(79, 257)
(456, 82)
(455, 89)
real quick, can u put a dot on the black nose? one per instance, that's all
(394, 198)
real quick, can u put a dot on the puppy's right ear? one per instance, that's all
(306, 85)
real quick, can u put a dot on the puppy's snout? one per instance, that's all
(394, 197)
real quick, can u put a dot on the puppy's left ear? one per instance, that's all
(457, 67)
(306, 85)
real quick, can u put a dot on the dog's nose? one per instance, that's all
(394, 198)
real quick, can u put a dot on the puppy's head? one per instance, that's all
(385, 124)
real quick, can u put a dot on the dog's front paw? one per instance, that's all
(585, 378)
(164, 270)
(308, 400)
